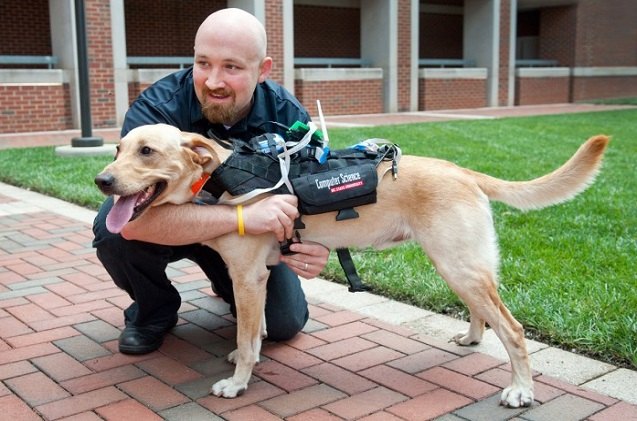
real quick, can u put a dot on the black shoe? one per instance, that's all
(143, 339)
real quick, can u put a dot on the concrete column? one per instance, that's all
(120, 68)
(379, 44)
(63, 40)
(481, 41)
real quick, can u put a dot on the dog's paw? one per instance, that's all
(227, 388)
(465, 339)
(515, 397)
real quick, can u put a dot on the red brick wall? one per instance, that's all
(557, 35)
(448, 94)
(586, 88)
(591, 33)
(274, 29)
(165, 27)
(25, 28)
(404, 54)
(606, 33)
(25, 108)
(327, 31)
(133, 91)
(505, 33)
(548, 90)
(341, 97)
(100, 57)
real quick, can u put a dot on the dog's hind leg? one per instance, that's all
(466, 256)
(477, 289)
(487, 305)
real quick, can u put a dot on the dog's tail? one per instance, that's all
(558, 186)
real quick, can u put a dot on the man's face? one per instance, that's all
(226, 72)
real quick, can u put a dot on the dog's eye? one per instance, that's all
(145, 150)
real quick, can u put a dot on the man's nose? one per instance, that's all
(214, 79)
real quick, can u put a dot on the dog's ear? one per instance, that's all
(203, 154)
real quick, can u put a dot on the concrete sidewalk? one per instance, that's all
(361, 356)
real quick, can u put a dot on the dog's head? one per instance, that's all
(155, 164)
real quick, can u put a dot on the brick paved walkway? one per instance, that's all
(360, 356)
(60, 316)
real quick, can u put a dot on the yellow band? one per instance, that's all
(240, 225)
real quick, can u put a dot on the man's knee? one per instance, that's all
(285, 327)
(286, 310)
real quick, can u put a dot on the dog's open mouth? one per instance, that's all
(127, 208)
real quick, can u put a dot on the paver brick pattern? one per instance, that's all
(60, 316)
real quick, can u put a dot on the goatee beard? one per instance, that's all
(218, 113)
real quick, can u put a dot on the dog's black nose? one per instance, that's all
(105, 182)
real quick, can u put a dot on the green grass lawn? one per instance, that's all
(568, 272)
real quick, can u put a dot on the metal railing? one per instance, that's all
(330, 62)
(535, 63)
(182, 61)
(49, 61)
(445, 62)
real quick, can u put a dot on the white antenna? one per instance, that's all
(326, 138)
(323, 152)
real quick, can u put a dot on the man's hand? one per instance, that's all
(309, 259)
(274, 214)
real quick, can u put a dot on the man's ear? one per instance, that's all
(265, 68)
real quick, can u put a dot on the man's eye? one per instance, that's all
(145, 150)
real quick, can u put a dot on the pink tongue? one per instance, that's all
(120, 213)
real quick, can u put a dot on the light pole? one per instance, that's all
(87, 139)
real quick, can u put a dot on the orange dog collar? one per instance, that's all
(198, 185)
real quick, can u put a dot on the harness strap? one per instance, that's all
(345, 259)
(224, 143)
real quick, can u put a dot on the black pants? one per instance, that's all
(139, 268)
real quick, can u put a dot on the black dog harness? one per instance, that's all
(323, 180)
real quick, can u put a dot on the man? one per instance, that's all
(224, 94)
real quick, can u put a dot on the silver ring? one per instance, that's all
(305, 266)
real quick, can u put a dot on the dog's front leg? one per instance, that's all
(245, 258)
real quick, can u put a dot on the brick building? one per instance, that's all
(356, 56)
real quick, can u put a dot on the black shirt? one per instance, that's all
(172, 100)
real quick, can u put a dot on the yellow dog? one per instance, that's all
(443, 207)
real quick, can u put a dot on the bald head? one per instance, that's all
(234, 27)
(230, 60)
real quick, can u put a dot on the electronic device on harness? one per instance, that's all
(303, 164)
